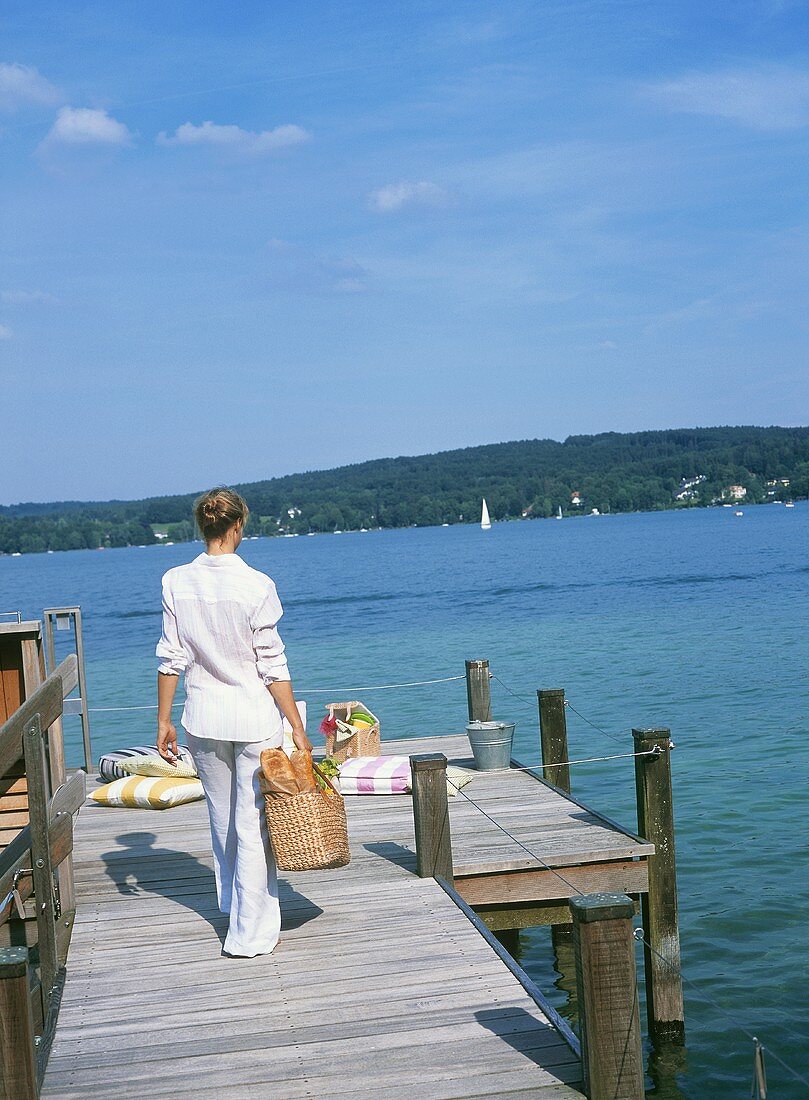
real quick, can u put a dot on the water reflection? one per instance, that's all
(547, 954)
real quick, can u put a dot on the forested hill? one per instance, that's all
(613, 472)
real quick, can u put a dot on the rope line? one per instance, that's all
(527, 698)
(513, 838)
(568, 704)
(346, 693)
(578, 714)
(637, 933)
(656, 751)
(379, 687)
(149, 706)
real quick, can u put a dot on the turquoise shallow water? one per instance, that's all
(693, 620)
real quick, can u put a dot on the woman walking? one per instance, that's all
(220, 628)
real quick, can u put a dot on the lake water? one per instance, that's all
(694, 620)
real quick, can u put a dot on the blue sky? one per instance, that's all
(242, 240)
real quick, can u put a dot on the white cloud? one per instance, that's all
(26, 297)
(5, 332)
(772, 98)
(396, 195)
(21, 85)
(234, 137)
(86, 126)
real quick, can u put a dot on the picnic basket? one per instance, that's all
(343, 745)
(309, 831)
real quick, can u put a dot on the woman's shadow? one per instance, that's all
(139, 870)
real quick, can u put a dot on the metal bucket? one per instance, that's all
(491, 744)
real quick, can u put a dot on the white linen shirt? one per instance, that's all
(219, 627)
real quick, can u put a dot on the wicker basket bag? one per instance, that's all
(341, 746)
(309, 832)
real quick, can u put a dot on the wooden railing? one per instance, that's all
(36, 867)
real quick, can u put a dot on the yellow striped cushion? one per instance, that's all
(156, 765)
(148, 793)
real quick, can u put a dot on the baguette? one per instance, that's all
(277, 774)
(301, 761)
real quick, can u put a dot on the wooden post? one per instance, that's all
(18, 1077)
(85, 714)
(55, 745)
(431, 816)
(606, 979)
(478, 691)
(553, 737)
(553, 740)
(38, 798)
(510, 939)
(664, 987)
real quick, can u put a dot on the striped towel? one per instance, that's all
(375, 775)
(390, 775)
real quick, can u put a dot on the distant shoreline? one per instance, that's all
(528, 479)
(409, 527)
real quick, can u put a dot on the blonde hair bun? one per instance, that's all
(218, 510)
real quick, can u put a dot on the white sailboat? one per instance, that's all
(485, 522)
(559, 513)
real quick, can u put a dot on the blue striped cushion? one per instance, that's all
(109, 766)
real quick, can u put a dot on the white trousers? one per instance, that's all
(246, 881)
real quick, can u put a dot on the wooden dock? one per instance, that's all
(381, 983)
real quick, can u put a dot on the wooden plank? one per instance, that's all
(372, 1085)
(12, 786)
(33, 668)
(262, 1026)
(49, 1028)
(46, 702)
(383, 1053)
(9, 802)
(531, 988)
(449, 1086)
(18, 855)
(528, 914)
(12, 819)
(70, 795)
(608, 822)
(12, 691)
(64, 930)
(29, 626)
(216, 988)
(58, 777)
(503, 918)
(34, 748)
(543, 885)
(355, 1004)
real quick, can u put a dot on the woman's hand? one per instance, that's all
(167, 741)
(300, 740)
